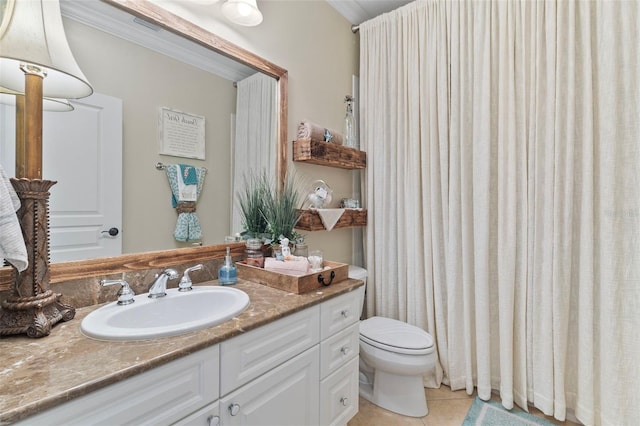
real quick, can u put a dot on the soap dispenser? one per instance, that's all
(227, 273)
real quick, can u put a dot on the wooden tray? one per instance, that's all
(334, 272)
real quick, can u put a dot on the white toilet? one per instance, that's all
(394, 356)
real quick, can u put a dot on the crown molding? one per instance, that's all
(118, 23)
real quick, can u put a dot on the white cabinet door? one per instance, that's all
(157, 397)
(287, 395)
(208, 416)
(339, 395)
(249, 355)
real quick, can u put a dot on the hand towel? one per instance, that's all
(12, 247)
(309, 130)
(297, 266)
(186, 184)
(330, 217)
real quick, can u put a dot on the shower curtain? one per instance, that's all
(503, 188)
(254, 147)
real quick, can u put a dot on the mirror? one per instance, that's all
(160, 19)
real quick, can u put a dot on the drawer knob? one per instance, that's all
(345, 313)
(345, 350)
(345, 401)
(234, 409)
(213, 420)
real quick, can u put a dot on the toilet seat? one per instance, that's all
(396, 336)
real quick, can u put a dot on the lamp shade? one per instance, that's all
(8, 97)
(242, 12)
(32, 33)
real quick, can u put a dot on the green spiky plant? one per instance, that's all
(252, 203)
(281, 210)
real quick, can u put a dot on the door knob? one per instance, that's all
(234, 409)
(113, 232)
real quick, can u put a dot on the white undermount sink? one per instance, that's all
(171, 315)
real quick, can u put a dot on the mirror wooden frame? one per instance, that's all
(143, 9)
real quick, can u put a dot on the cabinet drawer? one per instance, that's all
(247, 356)
(339, 395)
(339, 312)
(339, 348)
(157, 397)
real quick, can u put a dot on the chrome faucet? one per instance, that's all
(159, 286)
(125, 294)
(185, 281)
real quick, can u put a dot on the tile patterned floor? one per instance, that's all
(446, 408)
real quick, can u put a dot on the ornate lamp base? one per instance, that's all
(33, 316)
(33, 309)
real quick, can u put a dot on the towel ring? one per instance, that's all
(161, 166)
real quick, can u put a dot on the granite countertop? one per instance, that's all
(37, 374)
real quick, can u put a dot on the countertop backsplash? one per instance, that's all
(85, 292)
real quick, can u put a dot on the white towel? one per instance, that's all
(315, 132)
(12, 247)
(296, 266)
(330, 217)
(186, 191)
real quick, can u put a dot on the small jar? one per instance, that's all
(276, 251)
(301, 249)
(316, 260)
(253, 252)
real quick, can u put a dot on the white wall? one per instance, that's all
(146, 81)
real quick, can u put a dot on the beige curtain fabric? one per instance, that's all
(255, 136)
(503, 188)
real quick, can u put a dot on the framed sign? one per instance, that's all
(181, 134)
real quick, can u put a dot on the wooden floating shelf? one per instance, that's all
(310, 220)
(328, 154)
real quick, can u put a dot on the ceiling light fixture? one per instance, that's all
(242, 12)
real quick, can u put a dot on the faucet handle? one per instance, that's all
(125, 294)
(185, 281)
(171, 273)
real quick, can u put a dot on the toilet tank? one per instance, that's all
(359, 273)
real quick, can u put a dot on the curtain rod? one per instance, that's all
(355, 28)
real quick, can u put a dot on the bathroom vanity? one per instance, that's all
(287, 359)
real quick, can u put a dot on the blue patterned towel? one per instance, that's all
(186, 184)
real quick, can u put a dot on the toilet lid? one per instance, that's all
(395, 336)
